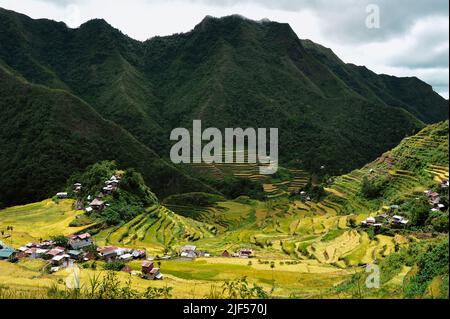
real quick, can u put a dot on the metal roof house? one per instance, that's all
(6, 253)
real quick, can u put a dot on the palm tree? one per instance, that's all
(10, 228)
(272, 266)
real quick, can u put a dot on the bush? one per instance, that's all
(373, 188)
(114, 265)
(61, 241)
(431, 264)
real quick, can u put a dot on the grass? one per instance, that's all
(194, 279)
(311, 244)
(38, 220)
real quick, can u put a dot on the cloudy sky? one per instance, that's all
(407, 38)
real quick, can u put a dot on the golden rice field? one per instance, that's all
(38, 220)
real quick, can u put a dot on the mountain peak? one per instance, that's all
(96, 23)
(233, 18)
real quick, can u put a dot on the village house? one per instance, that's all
(7, 253)
(22, 249)
(226, 254)
(108, 253)
(149, 272)
(77, 187)
(48, 244)
(114, 181)
(111, 185)
(245, 253)
(139, 254)
(75, 254)
(60, 260)
(188, 251)
(35, 253)
(434, 198)
(381, 218)
(200, 253)
(62, 195)
(55, 252)
(108, 189)
(398, 221)
(97, 204)
(155, 274)
(369, 221)
(77, 242)
(372, 222)
(126, 257)
(146, 266)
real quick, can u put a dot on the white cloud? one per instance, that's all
(412, 40)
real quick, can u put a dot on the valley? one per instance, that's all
(93, 206)
(301, 248)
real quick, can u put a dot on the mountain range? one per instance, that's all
(72, 97)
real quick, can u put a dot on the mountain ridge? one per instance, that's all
(228, 72)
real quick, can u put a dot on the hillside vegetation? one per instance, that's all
(46, 135)
(104, 96)
(302, 248)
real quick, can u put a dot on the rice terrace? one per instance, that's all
(104, 195)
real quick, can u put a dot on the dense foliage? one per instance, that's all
(117, 98)
(373, 188)
(46, 136)
(130, 200)
(427, 276)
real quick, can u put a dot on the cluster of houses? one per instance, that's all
(190, 251)
(380, 220)
(97, 203)
(58, 257)
(242, 253)
(112, 253)
(77, 251)
(111, 185)
(434, 198)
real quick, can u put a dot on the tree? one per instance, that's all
(272, 266)
(61, 241)
(419, 211)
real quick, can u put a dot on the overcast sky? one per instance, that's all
(412, 38)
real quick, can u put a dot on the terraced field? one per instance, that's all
(298, 180)
(311, 244)
(399, 167)
(251, 171)
(439, 173)
(155, 229)
(38, 220)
